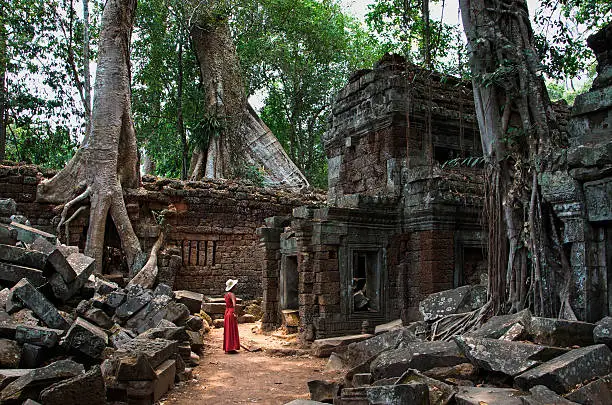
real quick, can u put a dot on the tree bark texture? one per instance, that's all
(244, 139)
(107, 161)
(86, 73)
(3, 95)
(518, 131)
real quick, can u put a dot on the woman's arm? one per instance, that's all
(233, 297)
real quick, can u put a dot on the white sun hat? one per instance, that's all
(229, 284)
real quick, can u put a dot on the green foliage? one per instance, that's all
(254, 174)
(300, 53)
(470, 161)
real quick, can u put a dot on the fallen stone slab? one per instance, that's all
(195, 341)
(360, 352)
(325, 347)
(459, 300)
(541, 395)
(561, 332)
(150, 315)
(177, 333)
(33, 299)
(8, 235)
(98, 317)
(510, 358)
(24, 317)
(163, 289)
(134, 367)
(440, 393)
(164, 381)
(8, 207)
(12, 273)
(87, 388)
(389, 326)
(400, 394)
(323, 391)
(602, 333)
(497, 326)
(246, 318)
(213, 308)
(10, 354)
(421, 356)
(31, 384)
(42, 245)
(22, 257)
(8, 329)
(593, 393)
(177, 313)
(86, 338)
(111, 301)
(480, 396)
(362, 379)
(38, 335)
(135, 300)
(156, 350)
(463, 371)
(32, 356)
(119, 336)
(58, 259)
(195, 323)
(102, 286)
(565, 372)
(192, 300)
(27, 234)
(7, 376)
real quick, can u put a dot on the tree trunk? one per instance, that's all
(517, 129)
(426, 34)
(108, 159)
(3, 95)
(86, 73)
(180, 124)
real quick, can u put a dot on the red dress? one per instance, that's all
(231, 340)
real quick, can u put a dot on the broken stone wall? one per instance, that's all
(211, 238)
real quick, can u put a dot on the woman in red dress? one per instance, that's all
(231, 340)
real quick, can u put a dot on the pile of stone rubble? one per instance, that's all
(511, 359)
(70, 337)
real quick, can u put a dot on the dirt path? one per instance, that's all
(247, 378)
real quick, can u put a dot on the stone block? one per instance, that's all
(8, 207)
(102, 286)
(87, 388)
(177, 313)
(150, 315)
(118, 336)
(39, 304)
(27, 234)
(540, 395)
(413, 393)
(113, 300)
(497, 326)
(361, 379)
(7, 376)
(31, 384)
(324, 391)
(165, 375)
(386, 327)
(86, 338)
(593, 393)
(463, 299)
(32, 356)
(360, 352)
(192, 300)
(134, 367)
(565, 372)
(325, 347)
(195, 341)
(58, 259)
(8, 235)
(22, 257)
(246, 318)
(163, 289)
(12, 273)
(195, 323)
(10, 354)
(156, 350)
(421, 356)
(439, 392)
(177, 333)
(135, 300)
(507, 357)
(602, 333)
(37, 335)
(98, 317)
(560, 332)
(481, 395)
(213, 308)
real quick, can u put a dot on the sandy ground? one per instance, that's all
(248, 378)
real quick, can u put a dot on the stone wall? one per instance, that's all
(211, 237)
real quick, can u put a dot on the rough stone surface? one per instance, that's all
(602, 333)
(511, 358)
(134, 367)
(86, 338)
(10, 354)
(386, 327)
(540, 395)
(39, 304)
(463, 299)
(480, 396)
(497, 326)
(439, 392)
(324, 391)
(413, 393)
(32, 356)
(27, 234)
(156, 350)
(421, 356)
(31, 384)
(192, 300)
(563, 373)
(87, 388)
(23, 257)
(12, 273)
(325, 347)
(360, 352)
(136, 299)
(560, 332)
(37, 335)
(150, 315)
(594, 393)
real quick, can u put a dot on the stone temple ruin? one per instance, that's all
(398, 227)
